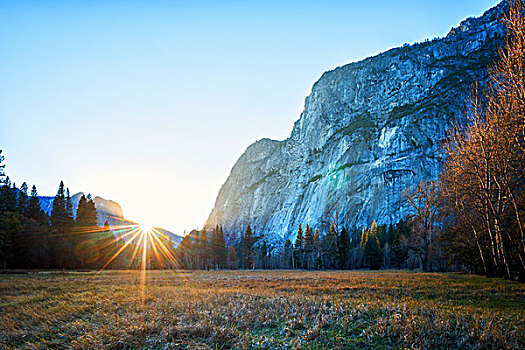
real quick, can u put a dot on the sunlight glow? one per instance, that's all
(138, 240)
(140, 247)
(146, 227)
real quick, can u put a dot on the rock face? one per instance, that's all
(368, 130)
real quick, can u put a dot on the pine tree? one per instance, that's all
(382, 235)
(214, 256)
(9, 227)
(287, 254)
(263, 256)
(58, 213)
(86, 233)
(8, 195)
(364, 238)
(218, 248)
(61, 244)
(22, 200)
(309, 248)
(299, 249)
(69, 207)
(34, 211)
(184, 252)
(221, 249)
(343, 249)
(372, 249)
(232, 258)
(316, 250)
(330, 247)
(375, 257)
(2, 167)
(90, 213)
(399, 248)
(248, 248)
(202, 250)
(2, 184)
(387, 246)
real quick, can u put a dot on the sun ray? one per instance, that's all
(144, 267)
(164, 248)
(117, 253)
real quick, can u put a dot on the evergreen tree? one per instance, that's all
(382, 235)
(214, 256)
(2, 183)
(61, 245)
(263, 256)
(399, 247)
(201, 246)
(375, 256)
(343, 249)
(58, 212)
(184, 252)
(34, 210)
(248, 248)
(218, 248)
(372, 249)
(108, 244)
(298, 249)
(10, 225)
(69, 207)
(287, 254)
(330, 247)
(309, 261)
(87, 235)
(316, 250)
(364, 238)
(8, 195)
(2, 167)
(221, 249)
(22, 200)
(232, 258)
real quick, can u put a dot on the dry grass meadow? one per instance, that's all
(260, 310)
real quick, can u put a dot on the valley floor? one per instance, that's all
(259, 309)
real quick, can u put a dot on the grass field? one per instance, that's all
(260, 310)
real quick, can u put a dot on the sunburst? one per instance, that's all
(140, 238)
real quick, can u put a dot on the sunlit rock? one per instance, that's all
(368, 130)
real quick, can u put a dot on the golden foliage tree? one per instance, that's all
(483, 178)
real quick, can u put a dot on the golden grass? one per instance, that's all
(260, 310)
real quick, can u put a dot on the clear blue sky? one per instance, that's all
(150, 103)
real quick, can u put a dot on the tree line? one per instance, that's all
(380, 246)
(31, 239)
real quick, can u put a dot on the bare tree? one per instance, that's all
(425, 202)
(484, 176)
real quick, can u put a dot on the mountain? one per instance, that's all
(107, 210)
(368, 130)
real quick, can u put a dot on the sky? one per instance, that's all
(150, 103)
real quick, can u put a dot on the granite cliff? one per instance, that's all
(368, 130)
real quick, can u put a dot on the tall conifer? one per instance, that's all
(22, 200)
(248, 248)
(298, 249)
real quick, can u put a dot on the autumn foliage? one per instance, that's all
(484, 178)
